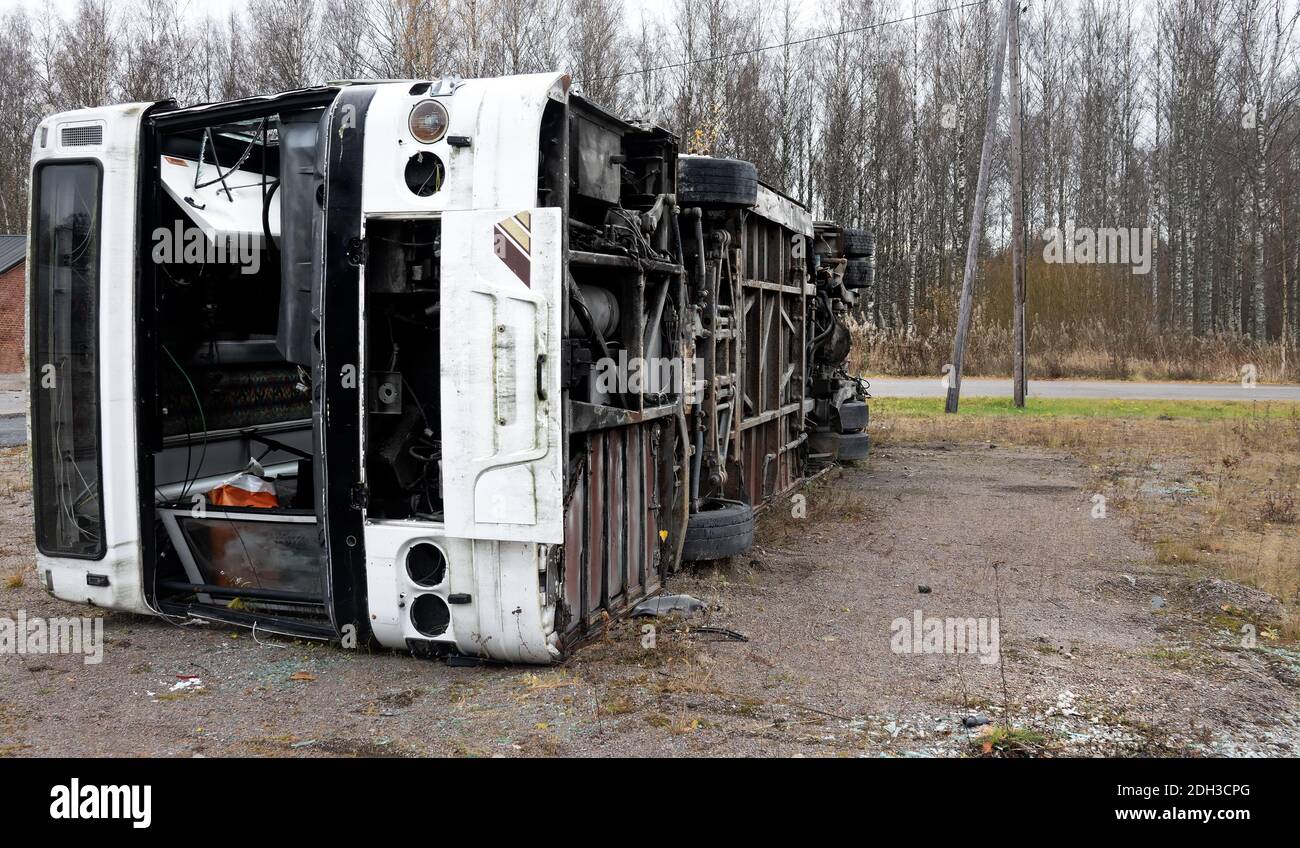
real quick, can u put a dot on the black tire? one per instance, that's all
(856, 242)
(842, 447)
(853, 446)
(859, 273)
(718, 183)
(721, 529)
(852, 416)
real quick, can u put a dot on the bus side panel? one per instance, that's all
(773, 374)
(613, 550)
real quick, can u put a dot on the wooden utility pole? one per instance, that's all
(977, 214)
(1017, 216)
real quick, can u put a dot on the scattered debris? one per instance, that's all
(725, 632)
(1064, 705)
(665, 604)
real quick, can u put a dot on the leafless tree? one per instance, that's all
(284, 49)
(1178, 115)
(597, 44)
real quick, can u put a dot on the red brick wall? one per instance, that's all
(12, 309)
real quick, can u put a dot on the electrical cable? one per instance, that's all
(808, 40)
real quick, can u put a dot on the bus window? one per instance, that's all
(65, 361)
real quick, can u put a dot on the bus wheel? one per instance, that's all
(859, 274)
(856, 242)
(852, 415)
(719, 183)
(720, 529)
(853, 446)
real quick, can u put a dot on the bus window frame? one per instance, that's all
(33, 368)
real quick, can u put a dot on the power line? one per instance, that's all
(793, 43)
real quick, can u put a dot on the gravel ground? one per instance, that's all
(1089, 661)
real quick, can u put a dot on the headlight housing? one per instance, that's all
(428, 121)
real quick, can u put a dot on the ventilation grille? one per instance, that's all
(86, 136)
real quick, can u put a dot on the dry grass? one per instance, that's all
(815, 504)
(1092, 350)
(1214, 497)
(1084, 321)
(1010, 742)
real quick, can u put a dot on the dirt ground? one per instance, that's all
(1104, 650)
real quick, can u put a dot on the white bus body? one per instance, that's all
(330, 362)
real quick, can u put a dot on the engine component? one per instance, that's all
(602, 305)
(386, 393)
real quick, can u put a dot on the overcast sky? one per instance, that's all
(219, 8)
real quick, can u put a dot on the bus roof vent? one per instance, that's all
(86, 135)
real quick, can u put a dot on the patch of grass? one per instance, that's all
(1278, 508)
(178, 696)
(618, 706)
(1086, 408)
(684, 724)
(535, 683)
(1180, 658)
(1169, 552)
(459, 692)
(622, 643)
(14, 581)
(1011, 742)
(824, 501)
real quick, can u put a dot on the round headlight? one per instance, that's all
(428, 121)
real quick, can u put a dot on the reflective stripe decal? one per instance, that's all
(512, 243)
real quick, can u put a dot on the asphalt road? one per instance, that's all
(985, 387)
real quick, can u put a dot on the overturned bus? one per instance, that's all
(464, 368)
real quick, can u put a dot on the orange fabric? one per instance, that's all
(228, 495)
